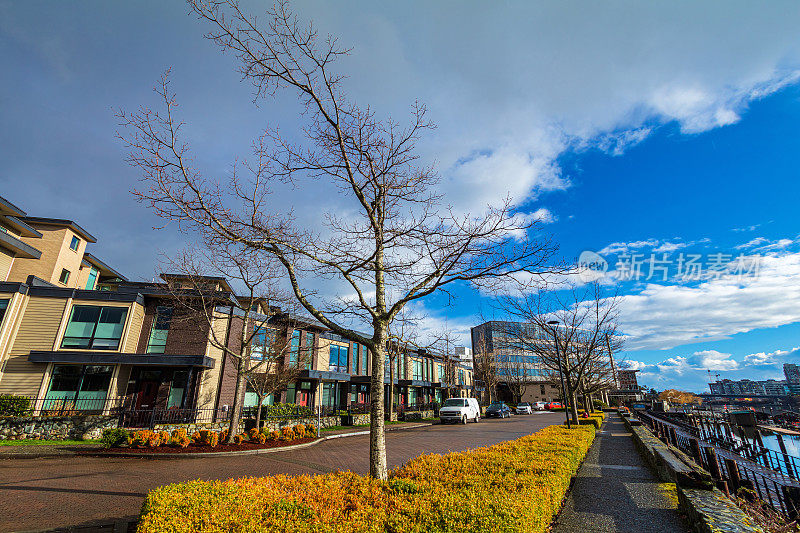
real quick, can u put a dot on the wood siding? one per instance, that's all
(6, 258)
(135, 330)
(39, 325)
(21, 377)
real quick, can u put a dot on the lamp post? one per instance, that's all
(554, 323)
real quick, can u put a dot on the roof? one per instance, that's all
(104, 269)
(166, 276)
(18, 247)
(61, 222)
(7, 208)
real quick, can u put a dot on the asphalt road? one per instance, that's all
(61, 492)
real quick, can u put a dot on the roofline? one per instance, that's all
(94, 260)
(11, 207)
(25, 229)
(71, 224)
(18, 246)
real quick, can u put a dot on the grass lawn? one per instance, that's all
(42, 442)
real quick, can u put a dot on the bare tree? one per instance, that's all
(403, 335)
(273, 365)
(577, 346)
(202, 301)
(398, 242)
(485, 367)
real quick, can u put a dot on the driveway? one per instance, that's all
(60, 492)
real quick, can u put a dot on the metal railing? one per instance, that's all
(730, 469)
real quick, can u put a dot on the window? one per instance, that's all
(90, 283)
(461, 377)
(440, 370)
(95, 327)
(309, 350)
(158, 332)
(294, 349)
(73, 245)
(417, 369)
(356, 355)
(78, 387)
(364, 356)
(3, 307)
(261, 343)
(338, 358)
(64, 277)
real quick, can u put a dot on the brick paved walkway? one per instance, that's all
(615, 490)
(43, 493)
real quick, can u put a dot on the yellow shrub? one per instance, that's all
(178, 433)
(223, 435)
(300, 431)
(287, 433)
(513, 486)
(183, 442)
(275, 434)
(261, 438)
(196, 437)
(311, 430)
(238, 439)
(253, 433)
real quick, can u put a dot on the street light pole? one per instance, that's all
(560, 372)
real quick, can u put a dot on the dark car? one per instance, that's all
(498, 410)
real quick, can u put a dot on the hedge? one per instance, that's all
(11, 405)
(512, 486)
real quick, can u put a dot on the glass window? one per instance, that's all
(64, 277)
(294, 350)
(3, 308)
(364, 356)
(337, 361)
(80, 387)
(309, 355)
(261, 344)
(92, 280)
(95, 327)
(158, 332)
(74, 243)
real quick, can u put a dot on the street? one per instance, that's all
(68, 491)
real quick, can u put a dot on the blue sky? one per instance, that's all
(627, 126)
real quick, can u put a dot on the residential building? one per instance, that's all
(626, 380)
(744, 387)
(51, 249)
(130, 349)
(792, 373)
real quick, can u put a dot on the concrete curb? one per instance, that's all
(99, 453)
(708, 510)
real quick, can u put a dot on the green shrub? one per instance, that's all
(513, 486)
(594, 421)
(11, 405)
(287, 410)
(114, 437)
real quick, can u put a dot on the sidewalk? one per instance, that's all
(616, 491)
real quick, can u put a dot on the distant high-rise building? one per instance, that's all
(792, 373)
(627, 380)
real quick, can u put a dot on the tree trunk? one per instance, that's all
(377, 437)
(238, 400)
(258, 412)
(392, 414)
(573, 406)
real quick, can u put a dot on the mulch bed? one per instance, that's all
(247, 445)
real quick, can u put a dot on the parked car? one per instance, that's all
(524, 408)
(539, 406)
(460, 410)
(553, 405)
(499, 410)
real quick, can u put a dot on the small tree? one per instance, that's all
(485, 366)
(195, 289)
(577, 347)
(398, 243)
(273, 368)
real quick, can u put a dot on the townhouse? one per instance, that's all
(77, 335)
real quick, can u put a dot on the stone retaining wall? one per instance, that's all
(76, 427)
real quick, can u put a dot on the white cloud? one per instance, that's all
(665, 316)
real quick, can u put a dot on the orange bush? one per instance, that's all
(300, 431)
(275, 434)
(238, 439)
(287, 433)
(261, 438)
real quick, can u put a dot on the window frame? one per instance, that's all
(76, 241)
(92, 338)
(64, 280)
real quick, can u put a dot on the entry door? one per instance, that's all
(146, 398)
(302, 398)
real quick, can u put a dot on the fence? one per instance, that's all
(731, 470)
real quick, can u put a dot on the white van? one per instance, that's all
(460, 410)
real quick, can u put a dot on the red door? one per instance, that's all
(302, 398)
(146, 397)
